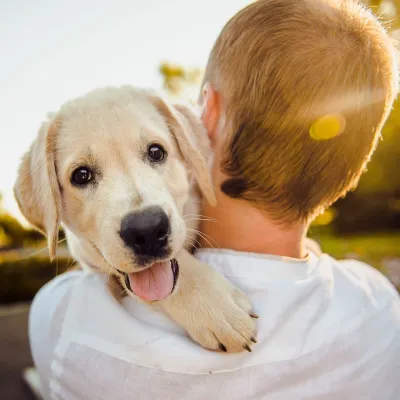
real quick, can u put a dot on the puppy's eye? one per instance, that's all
(156, 152)
(81, 176)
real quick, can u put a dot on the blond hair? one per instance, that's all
(281, 64)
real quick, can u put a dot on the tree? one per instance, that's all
(12, 233)
(181, 82)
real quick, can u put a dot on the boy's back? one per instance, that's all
(328, 330)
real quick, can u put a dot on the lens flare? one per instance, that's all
(327, 127)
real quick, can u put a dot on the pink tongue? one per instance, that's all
(154, 283)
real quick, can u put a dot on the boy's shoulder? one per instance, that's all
(362, 296)
(365, 278)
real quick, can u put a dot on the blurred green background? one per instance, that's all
(365, 225)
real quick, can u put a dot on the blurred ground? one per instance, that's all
(14, 352)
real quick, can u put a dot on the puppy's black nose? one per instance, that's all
(146, 232)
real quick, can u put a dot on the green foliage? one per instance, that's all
(377, 250)
(383, 171)
(14, 235)
(181, 82)
(21, 278)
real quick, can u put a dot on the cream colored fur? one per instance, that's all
(110, 129)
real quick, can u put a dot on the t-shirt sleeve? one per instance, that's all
(379, 285)
(46, 317)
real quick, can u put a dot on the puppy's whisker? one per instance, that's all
(70, 266)
(209, 237)
(198, 215)
(204, 236)
(41, 250)
(207, 241)
(194, 241)
(196, 244)
(199, 219)
(107, 267)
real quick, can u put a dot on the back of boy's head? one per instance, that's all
(280, 65)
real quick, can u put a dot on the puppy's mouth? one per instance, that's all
(155, 282)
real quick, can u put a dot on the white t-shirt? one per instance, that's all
(327, 330)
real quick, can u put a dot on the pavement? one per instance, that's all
(15, 354)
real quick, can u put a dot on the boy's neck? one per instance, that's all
(236, 225)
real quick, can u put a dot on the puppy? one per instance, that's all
(122, 170)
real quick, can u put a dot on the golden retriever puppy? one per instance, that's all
(122, 171)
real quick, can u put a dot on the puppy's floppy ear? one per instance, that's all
(36, 190)
(192, 141)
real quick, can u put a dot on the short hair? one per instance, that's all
(279, 65)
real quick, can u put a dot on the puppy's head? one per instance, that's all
(115, 167)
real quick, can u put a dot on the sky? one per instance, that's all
(54, 50)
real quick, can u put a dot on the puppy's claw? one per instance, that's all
(247, 348)
(253, 315)
(254, 340)
(222, 347)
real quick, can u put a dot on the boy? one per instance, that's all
(295, 96)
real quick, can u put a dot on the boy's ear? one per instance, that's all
(211, 111)
(192, 141)
(36, 190)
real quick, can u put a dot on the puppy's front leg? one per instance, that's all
(214, 313)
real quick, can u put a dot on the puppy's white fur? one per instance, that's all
(110, 130)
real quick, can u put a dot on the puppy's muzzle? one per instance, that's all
(146, 233)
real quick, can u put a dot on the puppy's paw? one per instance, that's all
(224, 321)
(214, 313)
